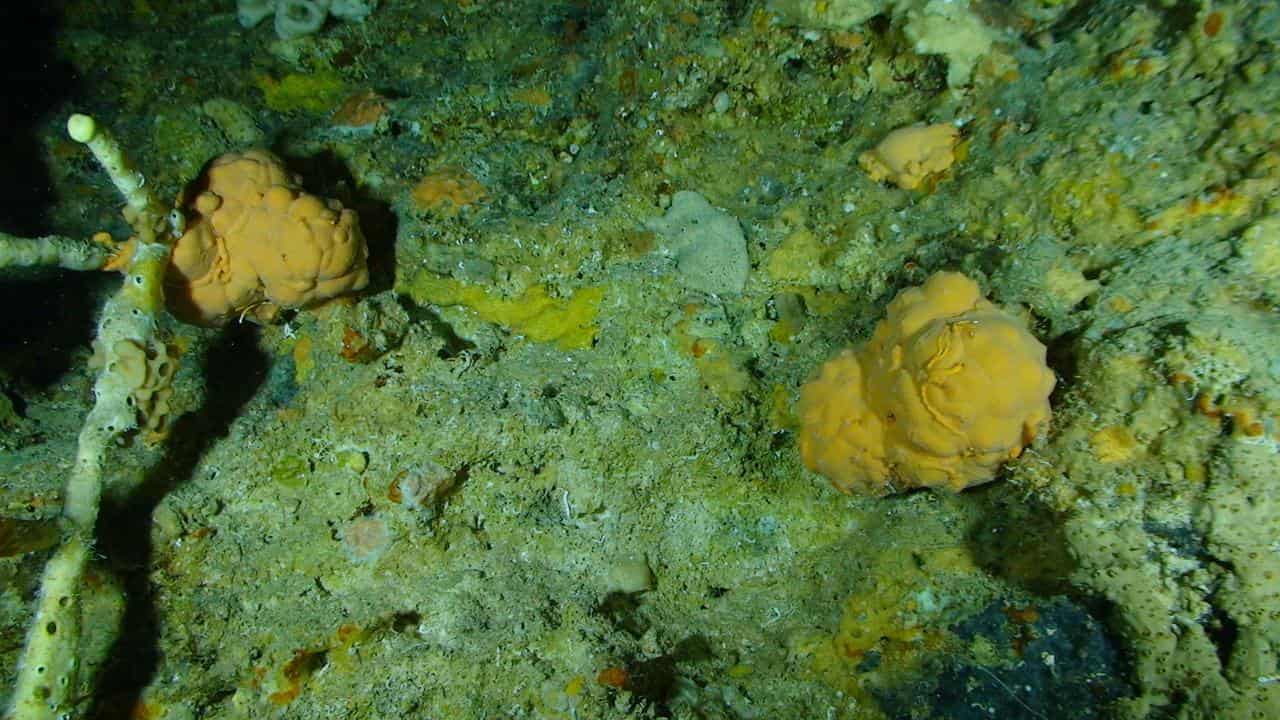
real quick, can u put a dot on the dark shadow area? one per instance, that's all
(1062, 355)
(56, 314)
(622, 611)
(53, 316)
(234, 370)
(1019, 541)
(1055, 660)
(655, 682)
(36, 81)
(380, 225)
(1086, 16)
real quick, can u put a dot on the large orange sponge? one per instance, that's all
(948, 387)
(256, 243)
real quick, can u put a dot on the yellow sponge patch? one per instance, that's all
(568, 322)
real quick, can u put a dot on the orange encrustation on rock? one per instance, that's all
(447, 190)
(255, 243)
(948, 388)
(909, 156)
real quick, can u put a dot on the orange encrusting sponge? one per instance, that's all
(948, 388)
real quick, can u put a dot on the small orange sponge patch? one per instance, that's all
(948, 388)
(256, 242)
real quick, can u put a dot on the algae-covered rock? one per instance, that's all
(949, 28)
(1259, 250)
(830, 14)
(1049, 659)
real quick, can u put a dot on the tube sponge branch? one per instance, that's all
(47, 684)
(52, 251)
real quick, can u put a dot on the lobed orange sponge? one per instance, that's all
(256, 243)
(948, 387)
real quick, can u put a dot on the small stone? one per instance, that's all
(167, 521)
(354, 460)
(365, 538)
(630, 574)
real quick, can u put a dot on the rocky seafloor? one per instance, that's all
(544, 467)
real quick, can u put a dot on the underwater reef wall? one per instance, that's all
(545, 463)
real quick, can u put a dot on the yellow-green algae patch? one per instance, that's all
(315, 92)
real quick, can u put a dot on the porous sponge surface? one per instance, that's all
(948, 388)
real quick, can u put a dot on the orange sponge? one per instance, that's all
(256, 243)
(909, 156)
(948, 387)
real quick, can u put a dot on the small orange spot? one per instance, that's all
(297, 666)
(355, 347)
(1243, 422)
(628, 82)
(143, 711)
(1206, 406)
(361, 110)
(347, 633)
(701, 347)
(1024, 616)
(447, 190)
(285, 696)
(1213, 24)
(393, 490)
(121, 253)
(294, 674)
(615, 677)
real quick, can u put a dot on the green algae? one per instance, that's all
(314, 92)
(290, 472)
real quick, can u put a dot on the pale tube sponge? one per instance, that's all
(47, 683)
(52, 251)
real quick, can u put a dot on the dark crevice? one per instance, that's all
(1223, 631)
